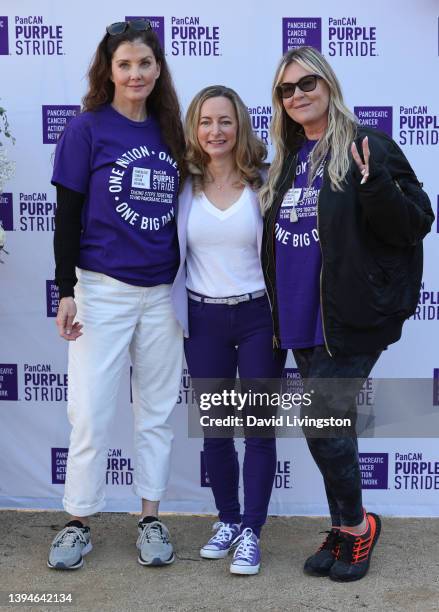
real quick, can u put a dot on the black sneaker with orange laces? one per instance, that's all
(321, 562)
(355, 551)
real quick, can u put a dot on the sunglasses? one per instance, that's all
(306, 83)
(139, 25)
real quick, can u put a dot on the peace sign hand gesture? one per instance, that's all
(363, 167)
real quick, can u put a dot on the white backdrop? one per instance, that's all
(386, 56)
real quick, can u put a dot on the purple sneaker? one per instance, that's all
(219, 545)
(247, 557)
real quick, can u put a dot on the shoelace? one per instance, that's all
(224, 533)
(246, 545)
(153, 532)
(68, 536)
(331, 542)
(354, 549)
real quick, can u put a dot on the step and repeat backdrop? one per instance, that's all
(386, 57)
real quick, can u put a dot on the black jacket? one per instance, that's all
(371, 241)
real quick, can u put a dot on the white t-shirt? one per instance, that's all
(222, 254)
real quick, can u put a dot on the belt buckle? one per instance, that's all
(232, 301)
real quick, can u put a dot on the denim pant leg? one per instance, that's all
(211, 357)
(337, 458)
(260, 370)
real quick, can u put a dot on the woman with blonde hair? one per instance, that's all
(342, 256)
(228, 323)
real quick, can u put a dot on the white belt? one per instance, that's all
(230, 301)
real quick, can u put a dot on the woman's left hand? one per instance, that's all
(363, 167)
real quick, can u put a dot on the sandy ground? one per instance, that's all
(403, 575)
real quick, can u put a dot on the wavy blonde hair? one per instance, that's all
(250, 152)
(287, 135)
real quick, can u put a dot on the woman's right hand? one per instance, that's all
(65, 317)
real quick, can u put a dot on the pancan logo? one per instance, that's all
(6, 211)
(292, 382)
(4, 36)
(52, 298)
(190, 37)
(261, 119)
(418, 126)
(374, 469)
(428, 305)
(348, 38)
(378, 117)
(414, 472)
(157, 24)
(204, 477)
(283, 476)
(37, 213)
(55, 119)
(42, 384)
(187, 393)
(119, 468)
(366, 395)
(59, 464)
(34, 37)
(8, 382)
(299, 31)
(436, 387)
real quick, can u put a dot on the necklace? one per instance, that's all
(221, 186)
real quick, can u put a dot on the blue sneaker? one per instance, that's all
(247, 557)
(219, 545)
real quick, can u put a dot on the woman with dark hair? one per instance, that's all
(342, 255)
(117, 173)
(229, 323)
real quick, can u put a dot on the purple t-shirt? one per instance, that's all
(130, 182)
(299, 259)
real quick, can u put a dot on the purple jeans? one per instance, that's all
(224, 339)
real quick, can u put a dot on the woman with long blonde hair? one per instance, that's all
(228, 323)
(342, 256)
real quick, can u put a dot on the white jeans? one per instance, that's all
(118, 318)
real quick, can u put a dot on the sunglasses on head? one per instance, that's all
(139, 25)
(306, 83)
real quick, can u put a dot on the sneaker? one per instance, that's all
(321, 562)
(355, 551)
(247, 557)
(69, 547)
(153, 543)
(219, 545)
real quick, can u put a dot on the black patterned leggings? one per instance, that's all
(336, 381)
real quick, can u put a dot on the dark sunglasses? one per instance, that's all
(139, 25)
(306, 83)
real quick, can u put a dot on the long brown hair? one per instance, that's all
(162, 102)
(250, 152)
